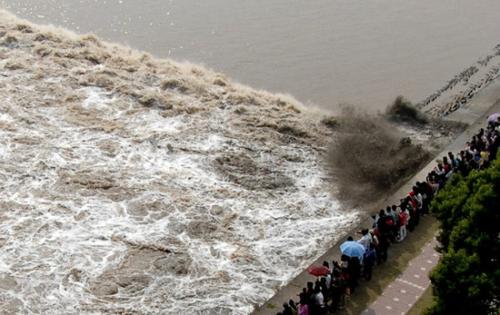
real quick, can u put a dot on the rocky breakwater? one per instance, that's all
(464, 86)
(136, 185)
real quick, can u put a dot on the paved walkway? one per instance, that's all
(399, 296)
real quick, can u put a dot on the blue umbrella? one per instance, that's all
(352, 249)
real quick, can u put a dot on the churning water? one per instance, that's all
(136, 185)
(324, 51)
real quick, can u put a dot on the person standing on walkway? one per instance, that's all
(303, 305)
(319, 299)
(366, 239)
(383, 236)
(287, 310)
(403, 221)
(354, 271)
(293, 306)
(369, 260)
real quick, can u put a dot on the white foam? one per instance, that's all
(71, 173)
(96, 98)
(4, 117)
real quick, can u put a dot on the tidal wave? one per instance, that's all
(137, 185)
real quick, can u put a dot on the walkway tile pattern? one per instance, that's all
(400, 295)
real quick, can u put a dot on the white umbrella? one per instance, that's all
(493, 117)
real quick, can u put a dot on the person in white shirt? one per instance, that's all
(366, 239)
(319, 299)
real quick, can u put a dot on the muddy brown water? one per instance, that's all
(127, 207)
(326, 51)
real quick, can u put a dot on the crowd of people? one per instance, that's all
(391, 225)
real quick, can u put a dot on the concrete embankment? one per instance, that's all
(474, 114)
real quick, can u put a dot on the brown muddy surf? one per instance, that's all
(136, 185)
(370, 157)
(327, 52)
(139, 185)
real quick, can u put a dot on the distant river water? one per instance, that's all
(326, 52)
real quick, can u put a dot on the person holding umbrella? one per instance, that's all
(353, 253)
(494, 118)
(318, 271)
(351, 248)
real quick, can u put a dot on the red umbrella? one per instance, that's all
(318, 271)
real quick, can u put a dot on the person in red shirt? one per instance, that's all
(403, 221)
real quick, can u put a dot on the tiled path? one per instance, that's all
(401, 294)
